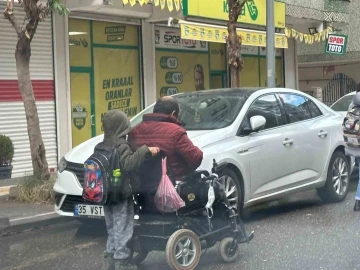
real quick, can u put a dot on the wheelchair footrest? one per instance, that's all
(243, 239)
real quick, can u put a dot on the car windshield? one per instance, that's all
(342, 105)
(207, 110)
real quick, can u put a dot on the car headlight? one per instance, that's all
(62, 165)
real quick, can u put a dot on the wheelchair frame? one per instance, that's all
(162, 232)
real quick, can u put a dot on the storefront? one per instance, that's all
(98, 60)
(251, 29)
(184, 65)
(180, 63)
(253, 73)
(124, 57)
(104, 74)
(194, 56)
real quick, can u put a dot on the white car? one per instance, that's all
(277, 142)
(342, 104)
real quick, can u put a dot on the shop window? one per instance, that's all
(181, 65)
(105, 74)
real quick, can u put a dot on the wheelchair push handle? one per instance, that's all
(217, 168)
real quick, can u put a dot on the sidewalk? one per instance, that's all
(17, 217)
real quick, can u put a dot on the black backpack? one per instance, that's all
(351, 127)
(98, 173)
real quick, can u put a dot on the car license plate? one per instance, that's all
(353, 140)
(89, 210)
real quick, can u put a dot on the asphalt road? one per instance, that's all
(297, 233)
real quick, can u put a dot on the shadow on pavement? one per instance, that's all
(300, 201)
(280, 208)
(91, 228)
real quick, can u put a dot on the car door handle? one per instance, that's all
(288, 142)
(322, 133)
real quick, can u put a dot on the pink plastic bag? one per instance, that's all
(167, 200)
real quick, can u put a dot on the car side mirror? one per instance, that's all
(257, 123)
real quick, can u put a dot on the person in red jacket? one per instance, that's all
(162, 129)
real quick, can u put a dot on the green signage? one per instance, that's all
(336, 44)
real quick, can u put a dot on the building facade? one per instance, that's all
(336, 75)
(130, 56)
(111, 56)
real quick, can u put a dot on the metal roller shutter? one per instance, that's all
(12, 113)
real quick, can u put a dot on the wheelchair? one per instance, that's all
(183, 235)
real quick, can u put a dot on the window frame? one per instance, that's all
(240, 132)
(317, 107)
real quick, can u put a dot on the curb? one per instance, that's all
(5, 190)
(4, 223)
(17, 227)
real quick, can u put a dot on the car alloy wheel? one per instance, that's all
(337, 182)
(231, 190)
(340, 176)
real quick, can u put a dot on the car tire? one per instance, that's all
(229, 180)
(337, 183)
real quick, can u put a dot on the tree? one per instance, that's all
(234, 41)
(35, 12)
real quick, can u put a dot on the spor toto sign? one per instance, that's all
(170, 38)
(173, 38)
(336, 44)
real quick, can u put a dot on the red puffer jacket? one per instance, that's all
(165, 132)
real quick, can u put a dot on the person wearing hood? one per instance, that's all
(355, 152)
(119, 217)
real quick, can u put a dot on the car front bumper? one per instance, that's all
(68, 192)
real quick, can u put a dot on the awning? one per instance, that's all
(215, 33)
(170, 4)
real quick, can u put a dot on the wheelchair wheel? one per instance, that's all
(183, 250)
(228, 252)
(138, 257)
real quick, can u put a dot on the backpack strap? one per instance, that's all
(115, 158)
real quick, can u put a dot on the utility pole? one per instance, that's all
(270, 44)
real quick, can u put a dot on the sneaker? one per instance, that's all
(357, 205)
(124, 265)
(108, 262)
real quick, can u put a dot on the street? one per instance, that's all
(297, 233)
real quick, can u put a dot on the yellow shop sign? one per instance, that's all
(213, 33)
(253, 12)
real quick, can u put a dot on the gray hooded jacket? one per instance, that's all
(355, 101)
(116, 127)
(351, 151)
